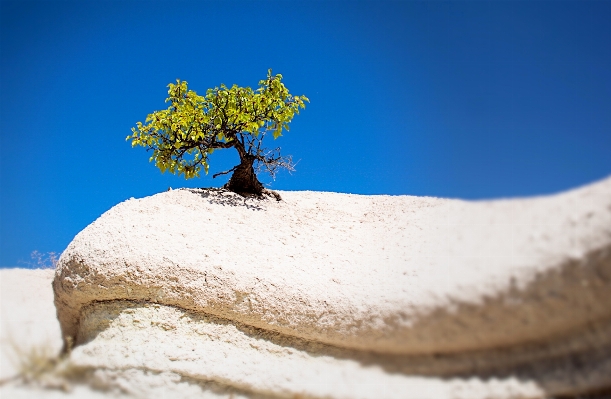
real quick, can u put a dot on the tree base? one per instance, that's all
(245, 183)
(265, 193)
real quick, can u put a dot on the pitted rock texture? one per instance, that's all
(160, 338)
(394, 276)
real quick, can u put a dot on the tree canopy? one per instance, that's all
(183, 136)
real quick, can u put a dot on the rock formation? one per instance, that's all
(347, 296)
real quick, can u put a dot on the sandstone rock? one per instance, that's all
(337, 295)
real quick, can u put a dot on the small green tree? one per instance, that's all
(184, 135)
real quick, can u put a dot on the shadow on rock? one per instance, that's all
(224, 197)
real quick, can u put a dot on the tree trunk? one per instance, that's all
(244, 180)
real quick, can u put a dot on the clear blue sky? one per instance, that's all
(458, 99)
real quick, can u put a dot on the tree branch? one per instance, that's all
(222, 144)
(225, 172)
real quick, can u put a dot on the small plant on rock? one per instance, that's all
(184, 135)
(40, 260)
(40, 365)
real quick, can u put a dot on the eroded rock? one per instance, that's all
(423, 291)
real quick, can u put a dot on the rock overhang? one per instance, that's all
(391, 274)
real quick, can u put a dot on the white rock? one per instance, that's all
(335, 295)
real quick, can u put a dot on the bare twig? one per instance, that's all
(225, 172)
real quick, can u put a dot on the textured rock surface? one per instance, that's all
(163, 338)
(403, 291)
(29, 325)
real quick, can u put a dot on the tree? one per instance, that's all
(184, 135)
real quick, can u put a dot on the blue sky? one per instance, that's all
(456, 99)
